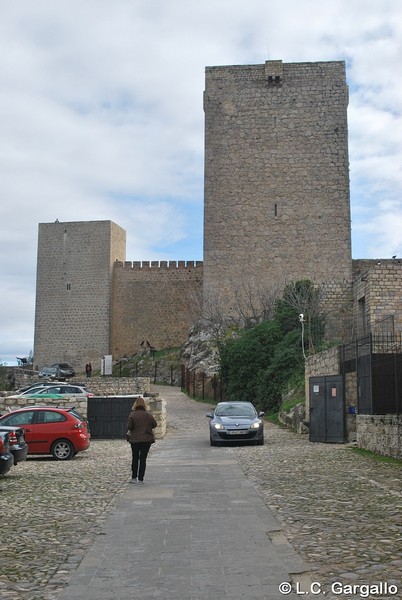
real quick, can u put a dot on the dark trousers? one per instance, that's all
(140, 452)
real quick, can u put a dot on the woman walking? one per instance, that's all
(140, 435)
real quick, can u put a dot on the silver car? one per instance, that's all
(59, 389)
(235, 422)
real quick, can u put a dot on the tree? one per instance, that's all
(262, 362)
(302, 298)
(243, 359)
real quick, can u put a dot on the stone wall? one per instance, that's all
(100, 386)
(377, 296)
(104, 388)
(381, 434)
(153, 302)
(277, 181)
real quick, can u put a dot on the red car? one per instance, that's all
(61, 432)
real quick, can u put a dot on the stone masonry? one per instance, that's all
(73, 290)
(380, 434)
(277, 180)
(377, 296)
(153, 302)
(100, 387)
(276, 210)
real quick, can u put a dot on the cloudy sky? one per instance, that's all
(101, 118)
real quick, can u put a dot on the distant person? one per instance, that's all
(140, 435)
(88, 369)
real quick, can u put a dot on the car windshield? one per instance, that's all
(235, 410)
(33, 390)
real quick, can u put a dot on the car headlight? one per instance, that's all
(256, 425)
(218, 426)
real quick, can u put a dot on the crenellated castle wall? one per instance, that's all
(153, 302)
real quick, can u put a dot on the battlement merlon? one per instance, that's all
(156, 264)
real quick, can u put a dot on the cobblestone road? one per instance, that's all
(341, 511)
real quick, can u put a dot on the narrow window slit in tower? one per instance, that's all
(276, 210)
(69, 287)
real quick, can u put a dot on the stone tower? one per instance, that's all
(277, 202)
(73, 290)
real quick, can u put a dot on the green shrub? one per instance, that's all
(265, 362)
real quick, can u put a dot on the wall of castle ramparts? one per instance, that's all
(158, 264)
(153, 302)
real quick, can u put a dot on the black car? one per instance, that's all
(235, 422)
(64, 370)
(18, 446)
(6, 458)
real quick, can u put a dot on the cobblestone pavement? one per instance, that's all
(341, 511)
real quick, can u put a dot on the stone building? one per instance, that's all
(90, 302)
(277, 209)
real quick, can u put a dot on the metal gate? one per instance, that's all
(107, 417)
(327, 409)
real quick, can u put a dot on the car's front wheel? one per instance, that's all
(63, 450)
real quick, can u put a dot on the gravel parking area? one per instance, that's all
(51, 513)
(341, 511)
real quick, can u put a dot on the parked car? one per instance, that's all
(6, 458)
(35, 389)
(18, 445)
(37, 384)
(62, 389)
(59, 390)
(50, 372)
(65, 370)
(50, 430)
(235, 422)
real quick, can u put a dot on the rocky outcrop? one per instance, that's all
(294, 418)
(200, 352)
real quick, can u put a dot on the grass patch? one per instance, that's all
(272, 417)
(378, 457)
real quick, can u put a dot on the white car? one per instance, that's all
(61, 389)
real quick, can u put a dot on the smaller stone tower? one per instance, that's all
(73, 290)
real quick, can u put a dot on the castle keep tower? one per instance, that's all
(277, 178)
(73, 290)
